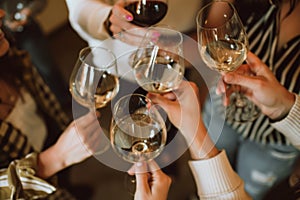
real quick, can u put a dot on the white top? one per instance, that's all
(24, 116)
(215, 178)
(290, 125)
(87, 17)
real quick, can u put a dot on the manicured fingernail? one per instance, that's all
(129, 17)
(139, 164)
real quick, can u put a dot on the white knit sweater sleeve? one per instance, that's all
(290, 125)
(87, 18)
(215, 179)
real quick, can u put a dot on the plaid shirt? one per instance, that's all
(13, 143)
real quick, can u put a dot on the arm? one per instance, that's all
(87, 17)
(260, 85)
(79, 141)
(290, 125)
(96, 20)
(213, 174)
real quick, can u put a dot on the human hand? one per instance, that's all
(80, 140)
(151, 182)
(183, 109)
(259, 84)
(182, 106)
(121, 27)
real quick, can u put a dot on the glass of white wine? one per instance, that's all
(94, 80)
(93, 83)
(138, 132)
(158, 63)
(223, 46)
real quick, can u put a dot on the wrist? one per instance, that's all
(50, 162)
(201, 146)
(284, 108)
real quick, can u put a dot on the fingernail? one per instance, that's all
(129, 17)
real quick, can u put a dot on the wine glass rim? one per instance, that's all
(89, 49)
(168, 28)
(209, 4)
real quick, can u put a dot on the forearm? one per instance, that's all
(87, 17)
(49, 163)
(213, 174)
(290, 125)
(215, 179)
(202, 147)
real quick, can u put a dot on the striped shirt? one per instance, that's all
(285, 64)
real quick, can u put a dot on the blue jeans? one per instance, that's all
(260, 166)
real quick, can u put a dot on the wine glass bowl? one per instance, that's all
(223, 46)
(158, 63)
(146, 12)
(94, 80)
(138, 132)
(223, 42)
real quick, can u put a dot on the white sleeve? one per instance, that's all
(87, 18)
(290, 125)
(215, 179)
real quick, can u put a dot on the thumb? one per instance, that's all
(141, 177)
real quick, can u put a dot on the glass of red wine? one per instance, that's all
(147, 12)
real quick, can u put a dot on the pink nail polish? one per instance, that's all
(129, 18)
(156, 34)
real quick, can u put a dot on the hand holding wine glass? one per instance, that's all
(223, 46)
(128, 19)
(151, 182)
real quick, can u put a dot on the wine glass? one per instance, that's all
(94, 80)
(138, 132)
(147, 12)
(223, 46)
(158, 63)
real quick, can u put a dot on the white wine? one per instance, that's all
(224, 55)
(95, 93)
(107, 89)
(137, 137)
(163, 75)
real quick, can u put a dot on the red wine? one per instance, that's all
(147, 14)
